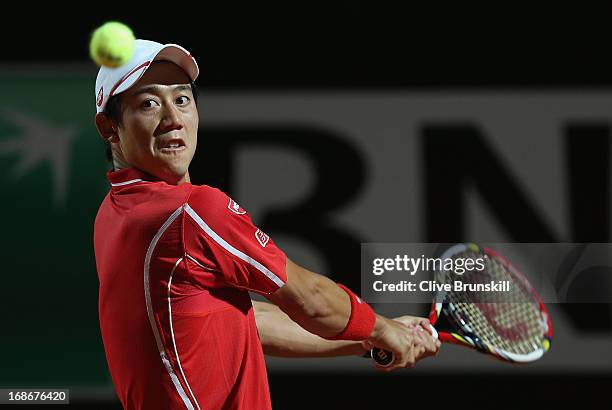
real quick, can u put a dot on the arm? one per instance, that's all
(281, 336)
(313, 301)
(321, 307)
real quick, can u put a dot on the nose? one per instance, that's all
(171, 119)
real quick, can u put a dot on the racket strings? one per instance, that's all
(510, 321)
(515, 330)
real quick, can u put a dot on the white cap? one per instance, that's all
(112, 81)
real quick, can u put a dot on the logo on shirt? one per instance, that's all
(100, 98)
(262, 238)
(235, 208)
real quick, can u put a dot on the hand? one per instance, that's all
(406, 320)
(407, 337)
(422, 324)
(414, 321)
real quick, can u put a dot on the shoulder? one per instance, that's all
(206, 193)
(212, 202)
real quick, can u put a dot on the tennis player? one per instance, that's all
(176, 262)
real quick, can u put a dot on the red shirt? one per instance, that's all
(175, 264)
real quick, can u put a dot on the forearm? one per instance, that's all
(281, 336)
(313, 301)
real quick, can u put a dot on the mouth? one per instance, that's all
(172, 145)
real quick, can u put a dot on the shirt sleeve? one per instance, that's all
(220, 238)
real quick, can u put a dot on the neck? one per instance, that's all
(119, 163)
(174, 179)
(184, 179)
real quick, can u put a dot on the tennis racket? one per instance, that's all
(513, 327)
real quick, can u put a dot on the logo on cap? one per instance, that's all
(100, 97)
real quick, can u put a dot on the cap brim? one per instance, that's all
(169, 52)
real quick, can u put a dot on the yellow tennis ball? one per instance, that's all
(112, 44)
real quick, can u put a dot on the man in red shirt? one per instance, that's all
(176, 262)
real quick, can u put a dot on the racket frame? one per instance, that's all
(464, 335)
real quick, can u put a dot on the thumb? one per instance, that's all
(367, 345)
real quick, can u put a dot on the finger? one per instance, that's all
(427, 353)
(423, 337)
(427, 342)
(408, 360)
(417, 353)
(433, 350)
(424, 323)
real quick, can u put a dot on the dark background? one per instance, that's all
(344, 44)
(356, 45)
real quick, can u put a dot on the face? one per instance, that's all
(159, 128)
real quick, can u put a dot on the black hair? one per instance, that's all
(114, 112)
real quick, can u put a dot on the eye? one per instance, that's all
(182, 100)
(149, 103)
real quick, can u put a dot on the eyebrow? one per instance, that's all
(152, 89)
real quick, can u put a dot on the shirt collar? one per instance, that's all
(127, 176)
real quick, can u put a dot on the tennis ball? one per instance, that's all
(112, 44)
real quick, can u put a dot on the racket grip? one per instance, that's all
(434, 332)
(384, 358)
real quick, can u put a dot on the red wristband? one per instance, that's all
(362, 320)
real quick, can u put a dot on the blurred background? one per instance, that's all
(333, 126)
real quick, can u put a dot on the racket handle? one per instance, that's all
(384, 358)
(434, 332)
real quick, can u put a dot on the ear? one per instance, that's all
(107, 128)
